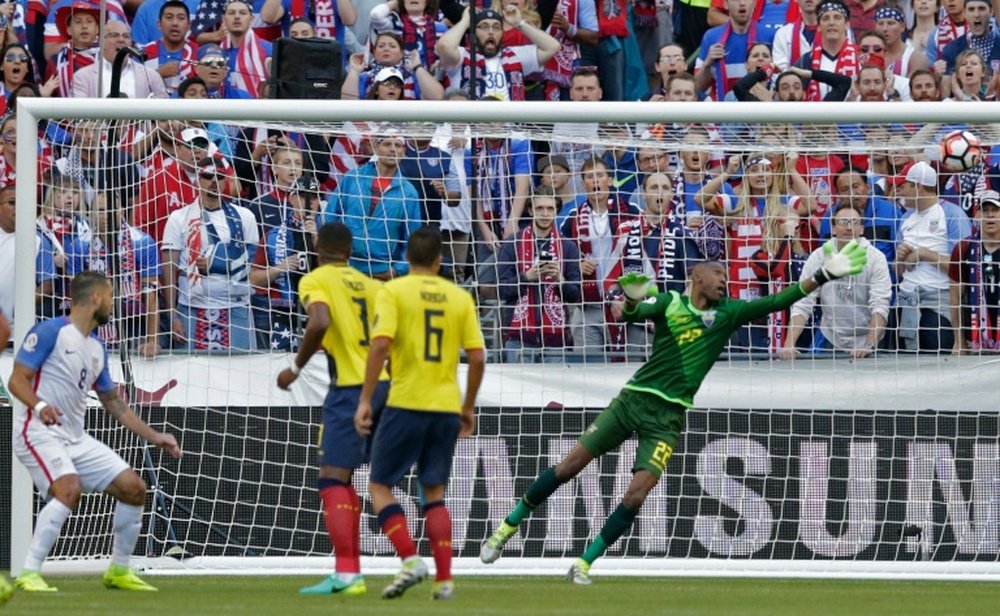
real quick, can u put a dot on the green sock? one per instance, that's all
(615, 526)
(545, 484)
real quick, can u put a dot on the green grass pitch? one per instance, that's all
(260, 595)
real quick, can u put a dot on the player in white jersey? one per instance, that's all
(60, 361)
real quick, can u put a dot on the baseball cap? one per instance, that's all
(389, 72)
(921, 173)
(196, 137)
(488, 14)
(210, 50)
(555, 159)
(753, 161)
(991, 198)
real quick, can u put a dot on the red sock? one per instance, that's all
(437, 523)
(356, 534)
(393, 524)
(338, 513)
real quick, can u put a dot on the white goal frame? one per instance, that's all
(32, 110)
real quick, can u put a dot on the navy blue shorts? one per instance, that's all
(340, 444)
(407, 437)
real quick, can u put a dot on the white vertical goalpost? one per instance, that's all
(888, 385)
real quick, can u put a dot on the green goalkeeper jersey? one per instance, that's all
(688, 341)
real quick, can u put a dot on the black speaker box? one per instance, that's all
(306, 68)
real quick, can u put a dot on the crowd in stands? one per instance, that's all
(208, 227)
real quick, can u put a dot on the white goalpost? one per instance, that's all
(886, 467)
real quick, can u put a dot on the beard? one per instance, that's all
(103, 317)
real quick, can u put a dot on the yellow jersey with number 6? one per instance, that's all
(429, 319)
(350, 297)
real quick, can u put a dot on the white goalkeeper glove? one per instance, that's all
(637, 287)
(849, 260)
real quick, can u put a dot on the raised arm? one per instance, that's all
(447, 47)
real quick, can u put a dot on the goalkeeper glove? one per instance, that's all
(849, 260)
(637, 287)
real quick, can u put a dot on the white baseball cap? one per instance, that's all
(923, 174)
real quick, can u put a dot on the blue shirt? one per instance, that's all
(146, 22)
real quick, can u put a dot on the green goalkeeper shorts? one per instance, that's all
(657, 422)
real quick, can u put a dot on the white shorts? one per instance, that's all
(48, 457)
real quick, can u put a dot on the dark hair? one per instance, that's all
(299, 20)
(545, 192)
(334, 239)
(846, 205)
(393, 36)
(592, 162)
(85, 284)
(187, 83)
(174, 4)
(584, 71)
(849, 169)
(923, 71)
(29, 74)
(777, 82)
(424, 246)
(683, 76)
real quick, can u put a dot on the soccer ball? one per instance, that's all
(961, 150)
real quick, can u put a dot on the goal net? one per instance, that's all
(847, 436)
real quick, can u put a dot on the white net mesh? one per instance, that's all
(207, 228)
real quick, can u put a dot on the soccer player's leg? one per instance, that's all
(103, 470)
(397, 445)
(607, 432)
(341, 450)
(433, 470)
(53, 473)
(658, 424)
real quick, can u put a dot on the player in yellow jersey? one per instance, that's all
(339, 301)
(421, 323)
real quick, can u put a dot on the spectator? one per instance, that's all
(873, 86)
(62, 12)
(326, 18)
(900, 56)
(855, 309)
(690, 22)
(147, 24)
(172, 55)
(968, 82)
(426, 167)
(873, 46)
(951, 27)
(576, 140)
(418, 81)
(554, 172)
(925, 86)
(286, 254)
(593, 227)
(154, 139)
(981, 36)
(879, 216)
(98, 169)
(608, 55)
(722, 61)
(692, 175)
(794, 39)
(835, 52)
(16, 70)
(387, 85)
(573, 22)
(539, 275)
(137, 80)
(8, 153)
(61, 218)
(500, 70)
(456, 218)
(922, 261)
(759, 81)
(208, 247)
(975, 282)
(137, 273)
(862, 14)
(79, 29)
(213, 69)
(925, 13)
(503, 173)
(669, 62)
(416, 25)
(380, 207)
(301, 28)
(171, 183)
(44, 267)
(192, 87)
(248, 55)
(777, 264)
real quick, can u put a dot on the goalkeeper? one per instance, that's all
(691, 332)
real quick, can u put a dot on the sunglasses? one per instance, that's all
(213, 63)
(666, 58)
(199, 142)
(872, 48)
(207, 174)
(15, 57)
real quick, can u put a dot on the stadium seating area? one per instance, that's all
(208, 227)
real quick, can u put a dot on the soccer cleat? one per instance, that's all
(579, 573)
(493, 547)
(332, 585)
(443, 591)
(123, 578)
(413, 572)
(32, 581)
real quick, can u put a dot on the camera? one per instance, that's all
(546, 256)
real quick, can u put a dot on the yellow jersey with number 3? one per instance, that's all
(350, 297)
(428, 319)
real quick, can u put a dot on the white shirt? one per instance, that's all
(7, 273)
(127, 86)
(925, 229)
(214, 290)
(67, 366)
(494, 76)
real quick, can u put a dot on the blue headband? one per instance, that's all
(888, 12)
